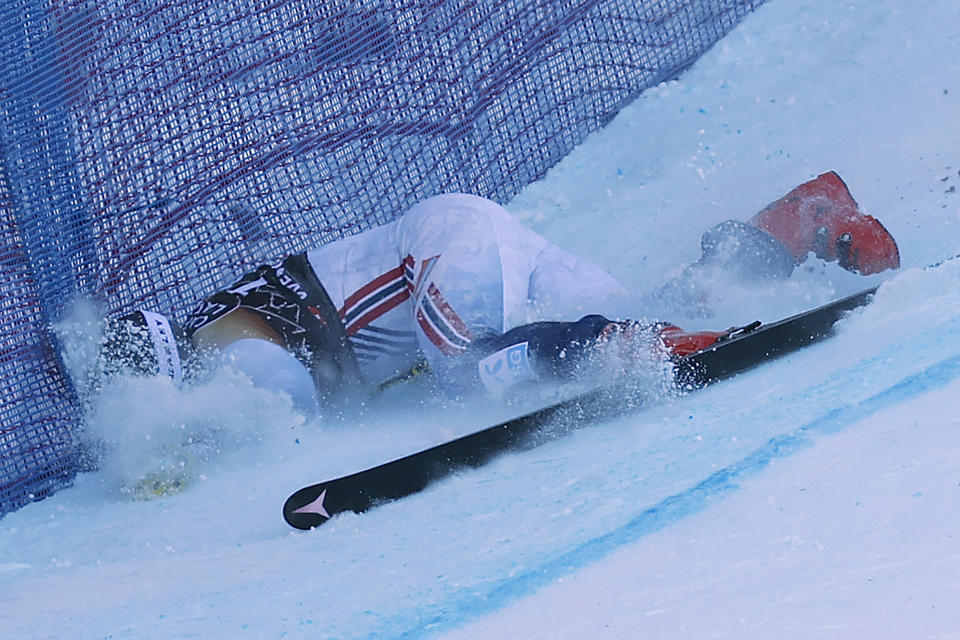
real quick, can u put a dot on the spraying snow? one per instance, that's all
(803, 499)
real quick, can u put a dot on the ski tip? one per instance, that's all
(306, 510)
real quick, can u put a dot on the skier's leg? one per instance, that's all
(821, 216)
(744, 251)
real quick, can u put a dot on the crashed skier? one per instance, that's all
(452, 283)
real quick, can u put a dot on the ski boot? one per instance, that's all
(821, 216)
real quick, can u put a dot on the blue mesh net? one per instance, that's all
(154, 149)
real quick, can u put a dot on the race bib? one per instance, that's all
(506, 368)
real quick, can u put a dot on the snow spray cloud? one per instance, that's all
(149, 436)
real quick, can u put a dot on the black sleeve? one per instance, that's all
(555, 348)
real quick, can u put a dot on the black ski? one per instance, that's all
(744, 349)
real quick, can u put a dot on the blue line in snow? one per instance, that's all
(670, 510)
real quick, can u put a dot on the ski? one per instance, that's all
(743, 349)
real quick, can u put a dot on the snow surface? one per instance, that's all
(815, 497)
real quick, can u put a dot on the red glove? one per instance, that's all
(676, 341)
(682, 343)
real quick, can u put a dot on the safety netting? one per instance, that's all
(154, 149)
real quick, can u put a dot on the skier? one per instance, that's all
(453, 285)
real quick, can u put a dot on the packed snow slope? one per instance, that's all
(814, 497)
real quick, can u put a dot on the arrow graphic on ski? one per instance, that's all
(315, 507)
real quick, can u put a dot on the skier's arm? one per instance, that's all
(554, 349)
(541, 351)
(558, 351)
